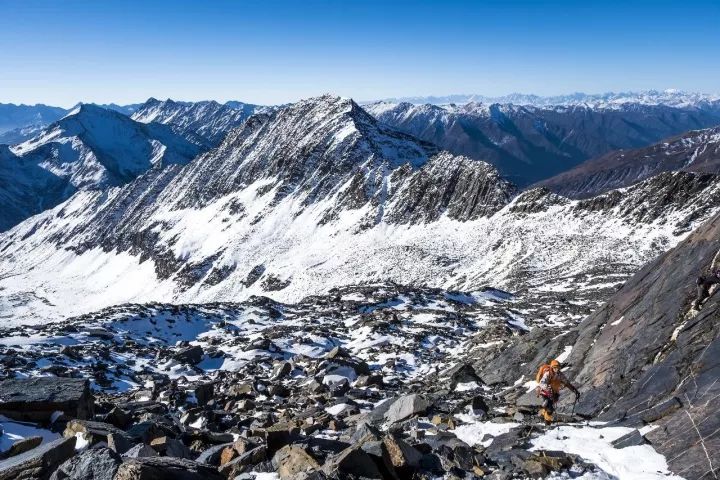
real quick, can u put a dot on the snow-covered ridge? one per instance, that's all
(209, 119)
(90, 148)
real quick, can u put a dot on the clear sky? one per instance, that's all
(62, 52)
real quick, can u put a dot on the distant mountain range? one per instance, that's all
(669, 97)
(528, 144)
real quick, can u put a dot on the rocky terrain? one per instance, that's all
(365, 382)
(695, 151)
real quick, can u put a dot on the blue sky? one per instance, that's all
(62, 52)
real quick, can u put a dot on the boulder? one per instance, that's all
(281, 370)
(99, 432)
(91, 464)
(211, 456)
(402, 455)
(192, 355)
(38, 463)
(165, 468)
(405, 407)
(142, 450)
(629, 440)
(251, 457)
(292, 460)
(37, 399)
(22, 446)
(352, 461)
(170, 447)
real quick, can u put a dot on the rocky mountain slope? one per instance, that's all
(89, 149)
(365, 382)
(695, 151)
(319, 194)
(641, 359)
(209, 119)
(528, 144)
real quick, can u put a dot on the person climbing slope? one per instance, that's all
(550, 381)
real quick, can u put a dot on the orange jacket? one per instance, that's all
(550, 382)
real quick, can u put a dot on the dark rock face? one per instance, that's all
(462, 188)
(697, 151)
(640, 358)
(38, 463)
(36, 399)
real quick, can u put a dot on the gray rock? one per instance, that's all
(292, 460)
(36, 399)
(90, 464)
(211, 456)
(142, 450)
(165, 468)
(99, 432)
(352, 461)
(405, 407)
(38, 463)
(629, 440)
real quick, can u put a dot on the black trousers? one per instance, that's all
(548, 403)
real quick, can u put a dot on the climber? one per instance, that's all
(704, 282)
(550, 381)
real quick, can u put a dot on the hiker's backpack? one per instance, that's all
(542, 371)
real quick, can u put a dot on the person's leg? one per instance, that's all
(702, 292)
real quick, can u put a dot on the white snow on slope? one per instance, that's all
(594, 444)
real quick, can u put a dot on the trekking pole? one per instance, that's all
(574, 405)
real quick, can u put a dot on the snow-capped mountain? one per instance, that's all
(527, 143)
(669, 97)
(695, 151)
(20, 122)
(90, 148)
(320, 194)
(209, 119)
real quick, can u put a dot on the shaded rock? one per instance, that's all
(36, 399)
(352, 461)
(211, 456)
(38, 463)
(629, 440)
(192, 355)
(165, 468)
(141, 450)
(281, 370)
(170, 447)
(91, 464)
